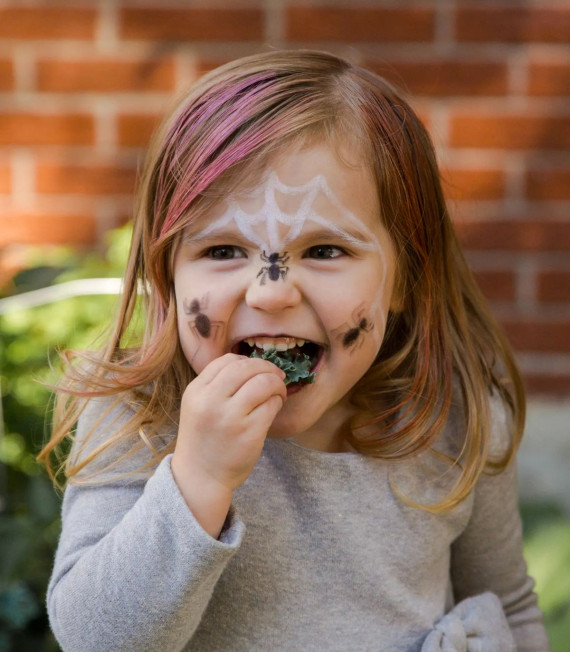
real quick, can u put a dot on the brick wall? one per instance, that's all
(82, 84)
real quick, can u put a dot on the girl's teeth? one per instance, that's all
(278, 344)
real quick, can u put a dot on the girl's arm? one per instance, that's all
(134, 570)
(488, 555)
(137, 564)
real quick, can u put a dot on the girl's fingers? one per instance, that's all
(231, 377)
(213, 369)
(268, 410)
(258, 390)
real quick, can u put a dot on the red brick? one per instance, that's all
(544, 384)
(513, 24)
(192, 24)
(473, 184)
(41, 22)
(554, 285)
(46, 229)
(515, 235)
(53, 178)
(5, 178)
(539, 336)
(497, 285)
(136, 130)
(105, 75)
(42, 129)
(510, 130)
(360, 23)
(205, 65)
(9, 266)
(6, 75)
(549, 78)
(548, 183)
(439, 77)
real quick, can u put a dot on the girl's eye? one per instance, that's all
(225, 252)
(324, 252)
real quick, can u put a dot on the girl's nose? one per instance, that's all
(272, 295)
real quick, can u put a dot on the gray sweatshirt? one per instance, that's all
(317, 553)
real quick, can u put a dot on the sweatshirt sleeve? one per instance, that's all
(488, 556)
(134, 570)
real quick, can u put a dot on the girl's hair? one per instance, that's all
(443, 343)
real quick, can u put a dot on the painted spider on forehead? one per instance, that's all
(276, 268)
(352, 336)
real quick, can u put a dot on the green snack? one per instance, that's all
(297, 366)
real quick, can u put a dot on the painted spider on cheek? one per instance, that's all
(201, 326)
(276, 268)
(352, 337)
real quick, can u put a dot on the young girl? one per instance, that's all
(291, 209)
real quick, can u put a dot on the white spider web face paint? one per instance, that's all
(271, 215)
(282, 228)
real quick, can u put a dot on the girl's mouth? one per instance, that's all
(291, 345)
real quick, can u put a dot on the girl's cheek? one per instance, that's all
(199, 331)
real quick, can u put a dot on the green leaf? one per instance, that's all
(297, 366)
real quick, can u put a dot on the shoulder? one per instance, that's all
(101, 413)
(110, 442)
(494, 417)
(501, 427)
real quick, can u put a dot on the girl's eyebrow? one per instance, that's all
(350, 237)
(201, 237)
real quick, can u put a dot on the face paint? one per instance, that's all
(201, 326)
(271, 216)
(352, 336)
(201, 321)
(274, 283)
(276, 268)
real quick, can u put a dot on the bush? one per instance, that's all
(547, 551)
(29, 512)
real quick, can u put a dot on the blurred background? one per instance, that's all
(83, 83)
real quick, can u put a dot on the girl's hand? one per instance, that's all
(224, 418)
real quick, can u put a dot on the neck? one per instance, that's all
(327, 435)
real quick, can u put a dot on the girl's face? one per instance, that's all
(301, 256)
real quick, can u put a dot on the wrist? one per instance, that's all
(208, 500)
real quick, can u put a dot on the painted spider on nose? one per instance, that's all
(276, 268)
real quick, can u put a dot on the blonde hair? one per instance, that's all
(224, 129)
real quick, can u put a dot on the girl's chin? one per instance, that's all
(287, 425)
(283, 427)
(278, 435)
(309, 414)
